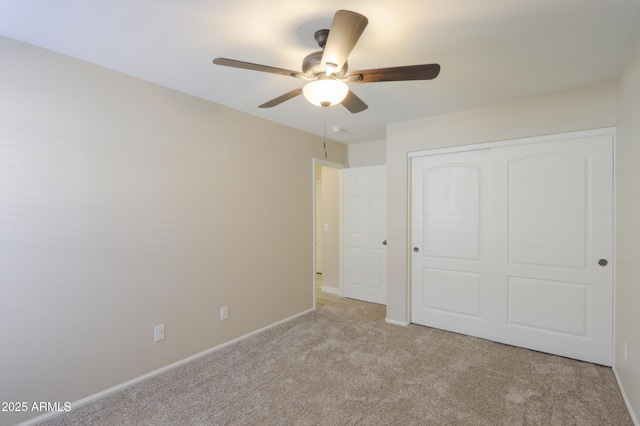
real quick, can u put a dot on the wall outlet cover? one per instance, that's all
(158, 332)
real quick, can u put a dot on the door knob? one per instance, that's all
(416, 249)
(603, 262)
(384, 242)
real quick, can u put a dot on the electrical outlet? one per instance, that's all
(625, 352)
(224, 313)
(158, 332)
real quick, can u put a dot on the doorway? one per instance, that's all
(327, 230)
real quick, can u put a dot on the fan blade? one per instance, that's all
(257, 67)
(411, 72)
(346, 29)
(353, 103)
(282, 98)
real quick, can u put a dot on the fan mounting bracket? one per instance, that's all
(321, 37)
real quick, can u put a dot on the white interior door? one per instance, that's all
(515, 245)
(451, 259)
(558, 202)
(364, 233)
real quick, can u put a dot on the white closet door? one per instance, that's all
(542, 275)
(557, 198)
(451, 257)
(364, 233)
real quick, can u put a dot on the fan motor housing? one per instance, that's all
(312, 65)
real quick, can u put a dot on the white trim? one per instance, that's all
(614, 254)
(151, 374)
(394, 322)
(341, 233)
(321, 162)
(634, 418)
(515, 142)
(408, 288)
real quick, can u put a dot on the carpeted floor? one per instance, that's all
(343, 365)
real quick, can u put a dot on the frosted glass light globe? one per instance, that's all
(325, 92)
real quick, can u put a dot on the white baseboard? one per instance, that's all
(164, 369)
(331, 290)
(394, 322)
(634, 418)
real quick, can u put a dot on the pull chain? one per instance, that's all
(324, 132)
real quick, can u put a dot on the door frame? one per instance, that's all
(334, 165)
(509, 143)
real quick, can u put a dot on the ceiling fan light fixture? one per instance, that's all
(328, 67)
(325, 92)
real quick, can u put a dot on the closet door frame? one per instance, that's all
(609, 132)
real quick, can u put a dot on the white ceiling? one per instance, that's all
(490, 50)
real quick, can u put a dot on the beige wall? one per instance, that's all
(588, 108)
(628, 231)
(368, 154)
(124, 205)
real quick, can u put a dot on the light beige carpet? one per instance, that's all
(343, 365)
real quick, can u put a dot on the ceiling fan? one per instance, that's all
(326, 70)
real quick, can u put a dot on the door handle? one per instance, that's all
(603, 262)
(384, 243)
(416, 249)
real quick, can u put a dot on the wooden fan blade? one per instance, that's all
(282, 98)
(353, 103)
(411, 72)
(346, 29)
(257, 67)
